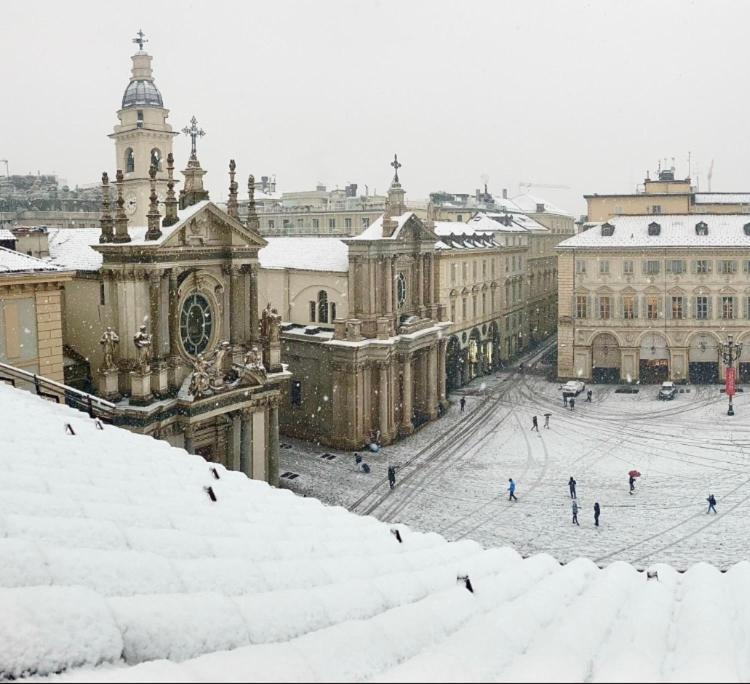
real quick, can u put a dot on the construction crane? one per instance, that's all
(526, 184)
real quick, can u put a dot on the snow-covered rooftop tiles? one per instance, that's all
(675, 230)
(722, 198)
(115, 565)
(16, 262)
(5, 234)
(531, 203)
(305, 253)
(375, 230)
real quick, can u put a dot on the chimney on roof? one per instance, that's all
(505, 193)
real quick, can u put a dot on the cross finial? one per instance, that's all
(141, 39)
(194, 132)
(396, 165)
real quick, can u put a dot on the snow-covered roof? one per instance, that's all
(375, 230)
(506, 223)
(116, 566)
(306, 253)
(458, 235)
(16, 262)
(5, 234)
(676, 230)
(722, 198)
(72, 247)
(530, 203)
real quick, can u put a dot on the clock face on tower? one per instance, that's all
(130, 204)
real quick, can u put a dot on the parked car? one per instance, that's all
(667, 390)
(573, 388)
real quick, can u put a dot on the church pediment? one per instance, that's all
(210, 226)
(414, 230)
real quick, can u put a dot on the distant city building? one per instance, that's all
(319, 212)
(665, 194)
(40, 200)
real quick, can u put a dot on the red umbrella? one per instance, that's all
(634, 473)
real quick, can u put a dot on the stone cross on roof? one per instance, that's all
(141, 39)
(396, 165)
(194, 132)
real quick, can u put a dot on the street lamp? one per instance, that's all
(730, 350)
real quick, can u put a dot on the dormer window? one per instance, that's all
(701, 228)
(746, 228)
(539, 208)
(654, 228)
(607, 230)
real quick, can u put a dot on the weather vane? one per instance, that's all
(396, 165)
(141, 39)
(194, 132)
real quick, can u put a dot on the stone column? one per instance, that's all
(432, 382)
(254, 330)
(248, 298)
(420, 284)
(236, 462)
(407, 396)
(154, 293)
(188, 434)
(383, 410)
(235, 306)
(442, 353)
(371, 276)
(246, 442)
(273, 444)
(433, 295)
(174, 316)
(389, 285)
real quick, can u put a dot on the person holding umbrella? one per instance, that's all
(632, 475)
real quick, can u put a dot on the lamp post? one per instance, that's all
(730, 351)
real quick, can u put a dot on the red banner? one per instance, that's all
(729, 378)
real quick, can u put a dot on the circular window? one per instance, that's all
(401, 290)
(196, 324)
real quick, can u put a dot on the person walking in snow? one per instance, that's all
(565, 400)
(463, 404)
(588, 395)
(534, 424)
(511, 489)
(572, 487)
(572, 403)
(632, 484)
(546, 420)
(711, 503)
(597, 512)
(392, 476)
(574, 506)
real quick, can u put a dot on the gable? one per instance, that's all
(414, 230)
(210, 226)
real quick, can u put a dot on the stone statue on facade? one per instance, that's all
(218, 362)
(200, 380)
(142, 341)
(265, 321)
(254, 358)
(109, 341)
(253, 369)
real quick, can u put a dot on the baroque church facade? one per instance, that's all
(165, 307)
(380, 373)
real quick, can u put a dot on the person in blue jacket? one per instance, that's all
(511, 490)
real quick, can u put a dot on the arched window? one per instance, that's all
(401, 289)
(607, 230)
(156, 158)
(322, 307)
(129, 160)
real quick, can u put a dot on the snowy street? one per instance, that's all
(453, 475)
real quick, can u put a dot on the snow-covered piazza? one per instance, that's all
(452, 478)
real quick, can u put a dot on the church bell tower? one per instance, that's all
(142, 138)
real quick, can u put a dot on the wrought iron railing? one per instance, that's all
(55, 391)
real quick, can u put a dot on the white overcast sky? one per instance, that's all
(584, 94)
